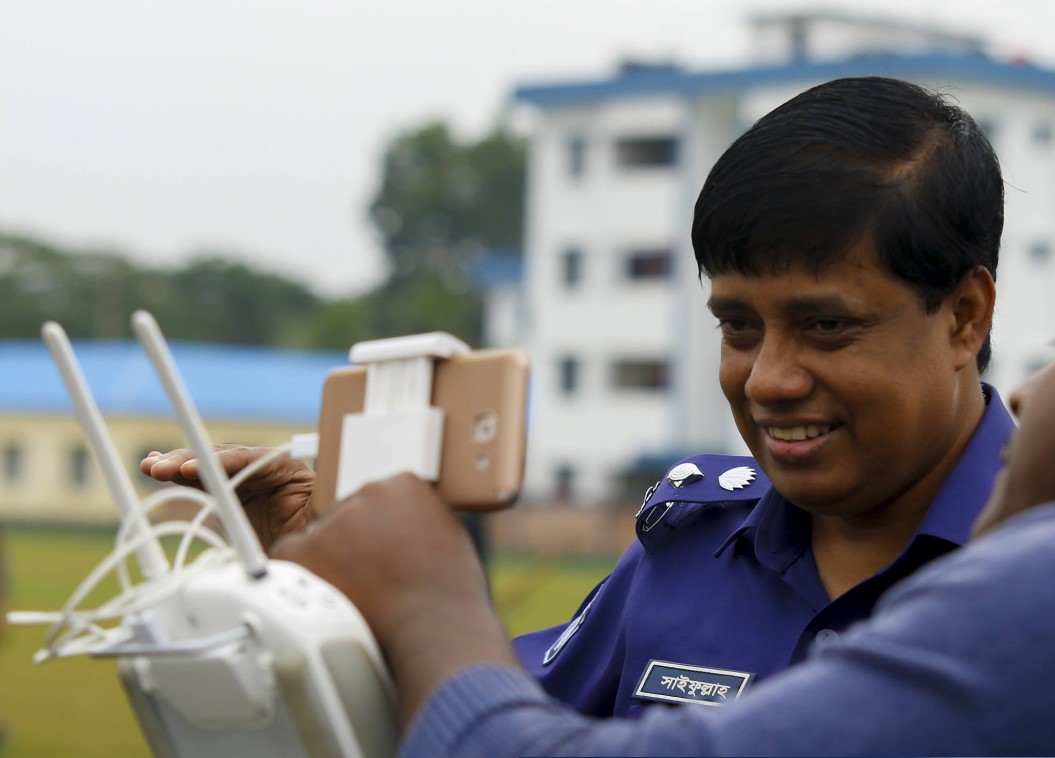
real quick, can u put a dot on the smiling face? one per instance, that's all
(854, 401)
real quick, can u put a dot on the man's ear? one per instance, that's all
(972, 303)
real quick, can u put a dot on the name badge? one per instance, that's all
(682, 683)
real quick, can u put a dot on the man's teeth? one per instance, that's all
(796, 433)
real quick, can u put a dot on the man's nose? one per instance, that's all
(1024, 391)
(777, 374)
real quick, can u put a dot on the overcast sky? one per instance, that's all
(164, 127)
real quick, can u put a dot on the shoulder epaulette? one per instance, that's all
(695, 483)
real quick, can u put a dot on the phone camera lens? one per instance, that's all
(485, 426)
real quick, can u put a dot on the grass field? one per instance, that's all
(75, 706)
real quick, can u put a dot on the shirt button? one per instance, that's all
(827, 636)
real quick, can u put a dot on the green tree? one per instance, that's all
(401, 305)
(440, 205)
(39, 282)
(34, 286)
(422, 302)
(93, 295)
(441, 202)
(340, 323)
(215, 299)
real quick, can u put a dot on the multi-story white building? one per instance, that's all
(625, 353)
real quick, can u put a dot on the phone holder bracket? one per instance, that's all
(399, 429)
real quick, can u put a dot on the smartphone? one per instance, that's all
(483, 395)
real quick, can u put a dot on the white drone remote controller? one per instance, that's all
(232, 654)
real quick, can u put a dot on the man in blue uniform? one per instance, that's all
(957, 659)
(851, 240)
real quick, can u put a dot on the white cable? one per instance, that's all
(237, 480)
(152, 502)
(195, 526)
(132, 599)
(74, 631)
(206, 504)
(147, 594)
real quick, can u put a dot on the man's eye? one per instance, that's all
(738, 332)
(829, 325)
(832, 332)
(733, 325)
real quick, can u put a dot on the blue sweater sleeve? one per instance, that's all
(957, 661)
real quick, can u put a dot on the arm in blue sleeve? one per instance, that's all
(957, 661)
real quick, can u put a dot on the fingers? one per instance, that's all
(182, 464)
(170, 466)
(276, 496)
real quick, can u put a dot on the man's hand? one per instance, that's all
(399, 554)
(276, 498)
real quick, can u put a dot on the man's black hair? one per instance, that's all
(851, 161)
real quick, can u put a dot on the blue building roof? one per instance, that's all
(225, 381)
(498, 266)
(677, 81)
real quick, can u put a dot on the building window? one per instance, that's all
(640, 375)
(1040, 251)
(1034, 364)
(13, 463)
(1042, 133)
(571, 268)
(576, 156)
(568, 371)
(564, 482)
(646, 152)
(649, 264)
(988, 127)
(799, 39)
(78, 466)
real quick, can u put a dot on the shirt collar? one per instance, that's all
(780, 530)
(966, 491)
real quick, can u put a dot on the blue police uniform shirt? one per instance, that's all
(956, 660)
(721, 588)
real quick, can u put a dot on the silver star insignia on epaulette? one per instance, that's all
(684, 473)
(736, 478)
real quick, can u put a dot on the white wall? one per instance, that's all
(604, 213)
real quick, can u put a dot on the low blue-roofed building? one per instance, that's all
(498, 267)
(230, 382)
(248, 395)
